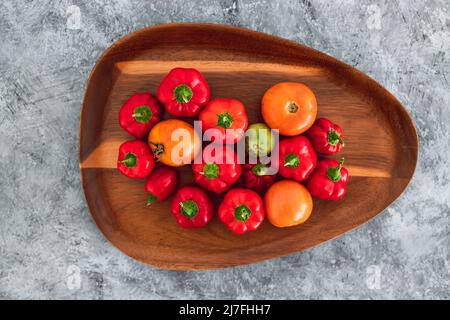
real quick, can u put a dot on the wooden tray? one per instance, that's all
(381, 141)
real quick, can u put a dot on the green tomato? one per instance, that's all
(259, 139)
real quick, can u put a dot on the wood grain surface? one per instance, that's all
(381, 141)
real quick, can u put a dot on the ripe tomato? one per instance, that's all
(174, 142)
(287, 203)
(290, 107)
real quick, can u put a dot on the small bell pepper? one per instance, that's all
(241, 210)
(184, 92)
(161, 184)
(192, 207)
(135, 159)
(227, 116)
(297, 158)
(325, 136)
(256, 177)
(329, 180)
(139, 114)
(217, 175)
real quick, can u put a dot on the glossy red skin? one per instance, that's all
(210, 114)
(145, 161)
(301, 147)
(194, 80)
(204, 204)
(235, 198)
(318, 136)
(129, 124)
(162, 182)
(257, 183)
(228, 173)
(322, 187)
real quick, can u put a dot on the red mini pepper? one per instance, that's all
(256, 177)
(325, 136)
(161, 183)
(329, 180)
(241, 210)
(135, 159)
(227, 116)
(297, 158)
(139, 114)
(192, 207)
(214, 173)
(184, 92)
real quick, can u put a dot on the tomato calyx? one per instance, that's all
(158, 149)
(189, 208)
(333, 138)
(292, 161)
(129, 160)
(225, 120)
(334, 174)
(182, 93)
(292, 107)
(211, 170)
(142, 114)
(242, 213)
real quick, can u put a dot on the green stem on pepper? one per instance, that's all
(211, 171)
(189, 208)
(142, 114)
(242, 212)
(334, 137)
(129, 160)
(182, 93)
(334, 174)
(292, 161)
(260, 169)
(151, 198)
(225, 120)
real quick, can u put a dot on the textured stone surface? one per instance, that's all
(47, 237)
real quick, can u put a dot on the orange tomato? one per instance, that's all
(290, 107)
(287, 203)
(174, 142)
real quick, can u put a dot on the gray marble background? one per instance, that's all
(49, 246)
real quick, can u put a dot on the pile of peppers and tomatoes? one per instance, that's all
(242, 192)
